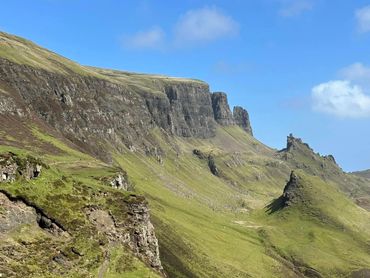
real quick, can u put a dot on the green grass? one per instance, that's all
(326, 232)
(207, 226)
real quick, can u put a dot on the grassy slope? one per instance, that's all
(364, 174)
(207, 226)
(25, 52)
(63, 191)
(223, 222)
(326, 232)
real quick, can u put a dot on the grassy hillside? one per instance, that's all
(216, 203)
(364, 174)
(25, 52)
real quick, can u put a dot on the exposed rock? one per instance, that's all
(291, 193)
(143, 240)
(92, 111)
(212, 166)
(221, 109)
(210, 161)
(120, 182)
(241, 118)
(15, 212)
(330, 158)
(12, 166)
(137, 231)
(295, 143)
(200, 154)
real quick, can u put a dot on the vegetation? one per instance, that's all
(232, 224)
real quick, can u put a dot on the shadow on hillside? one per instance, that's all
(275, 205)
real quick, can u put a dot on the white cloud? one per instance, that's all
(356, 72)
(149, 39)
(341, 98)
(363, 19)
(295, 7)
(204, 25)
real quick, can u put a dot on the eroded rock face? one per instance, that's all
(136, 232)
(241, 118)
(221, 109)
(120, 182)
(291, 192)
(15, 213)
(90, 110)
(12, 166)
(142, 236)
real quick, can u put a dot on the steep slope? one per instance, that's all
(206, 179)
(307, 222)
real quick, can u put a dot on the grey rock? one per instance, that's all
(221, 109)
(291, 193)
(136, 231)
(120, 182)
(92, 111)
(12, 166)
(241, 118)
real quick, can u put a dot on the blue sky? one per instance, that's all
(300, 66)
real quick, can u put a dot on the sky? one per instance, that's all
(297, 66)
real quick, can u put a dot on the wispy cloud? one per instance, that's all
(204, 25)
(153, 38)
(363, 19)
(193, 28)
(341, 98)
(358, 73)
(291, 8)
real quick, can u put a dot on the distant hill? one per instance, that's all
(364, 174)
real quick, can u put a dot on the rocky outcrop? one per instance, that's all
(136, 231)
(241, 118)
(210, 161)
(120, 182)
(88, 109)
(294, 143)
(142, 236)
(16, 212)
(291, 193)
(221, 109)
(12, 166)
(93, 111)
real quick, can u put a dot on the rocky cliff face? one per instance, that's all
(221, 109)
(89, 110)
(136, 232)
(93, 111)
(241, 118)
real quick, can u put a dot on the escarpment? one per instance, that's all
(93, 111)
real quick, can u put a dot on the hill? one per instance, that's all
(147, 176)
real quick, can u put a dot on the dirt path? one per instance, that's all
(247, 224)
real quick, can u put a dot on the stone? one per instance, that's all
(221, 109)
(291, 192)
(241, 118)
(12, 166)
(86, 109)
(120, 182)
